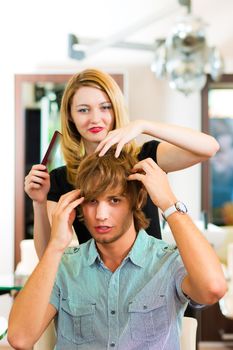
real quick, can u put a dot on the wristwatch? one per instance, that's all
(177, 207)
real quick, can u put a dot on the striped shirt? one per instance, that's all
(139, 306)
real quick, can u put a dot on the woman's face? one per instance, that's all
(93, 116)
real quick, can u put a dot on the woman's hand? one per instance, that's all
(63, 218)
(37, 183)
(120, 137)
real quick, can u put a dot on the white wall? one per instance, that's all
(34, 39)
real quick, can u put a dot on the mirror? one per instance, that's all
(217, 174)
(37, 107)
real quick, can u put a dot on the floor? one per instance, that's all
(215, 346)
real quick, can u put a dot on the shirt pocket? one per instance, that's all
(149, 319)
(77, 322)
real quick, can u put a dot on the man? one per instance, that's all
(122, 289)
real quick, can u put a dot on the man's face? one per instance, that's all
(108, 217)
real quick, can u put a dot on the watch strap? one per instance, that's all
(169, 211)
(177, 207)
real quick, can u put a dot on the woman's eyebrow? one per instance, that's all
(82, 104)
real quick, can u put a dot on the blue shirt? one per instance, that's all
(137, 307)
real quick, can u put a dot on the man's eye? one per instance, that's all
(115, 200)
(92, 201)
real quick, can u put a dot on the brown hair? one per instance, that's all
(96, 175)
(72, 145)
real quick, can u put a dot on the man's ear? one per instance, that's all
(141, 198)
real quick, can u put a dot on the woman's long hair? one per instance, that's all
(72, 145)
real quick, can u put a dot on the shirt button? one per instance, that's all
(112, 345)
(113, 312)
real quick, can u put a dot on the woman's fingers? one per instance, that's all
(119, 137)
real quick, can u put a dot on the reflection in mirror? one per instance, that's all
(217, 184)
(41, 105)
(37, 105)
(37, 113)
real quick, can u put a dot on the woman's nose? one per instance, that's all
(95, 115)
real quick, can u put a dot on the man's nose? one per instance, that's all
(102, 211)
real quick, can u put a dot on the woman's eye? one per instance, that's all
(83, 110)
(107, 107)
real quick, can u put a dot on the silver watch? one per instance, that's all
(178, 206)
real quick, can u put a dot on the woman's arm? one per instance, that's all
(37, 184)
(180, 147)
(42, 225)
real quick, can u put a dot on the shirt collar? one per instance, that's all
(92, 253)
(137, 254)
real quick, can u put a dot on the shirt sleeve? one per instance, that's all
(55, 296)
(179, 276)
(149, 150)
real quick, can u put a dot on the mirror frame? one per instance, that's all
(20, 79)
(225, 81)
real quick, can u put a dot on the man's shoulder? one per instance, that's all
(156, 242)
(77, 250)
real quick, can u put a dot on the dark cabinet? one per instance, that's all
(214, 326)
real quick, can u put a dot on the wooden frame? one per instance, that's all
(20, 142)
(225, 82)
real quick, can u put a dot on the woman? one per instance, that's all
(93, 118)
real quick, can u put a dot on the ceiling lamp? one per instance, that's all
(183, 57)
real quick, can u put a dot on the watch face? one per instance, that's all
(181, 207)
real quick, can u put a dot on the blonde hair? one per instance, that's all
(72, 145)
(96, 175)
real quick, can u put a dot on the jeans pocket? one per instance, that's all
(77, 322)
(149, 319)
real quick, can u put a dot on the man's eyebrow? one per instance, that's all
(116, 195)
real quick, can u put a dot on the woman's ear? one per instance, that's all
(70, 118)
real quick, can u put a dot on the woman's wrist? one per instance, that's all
(147, 127)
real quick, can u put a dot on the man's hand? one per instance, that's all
(155, 181)
(63, 218)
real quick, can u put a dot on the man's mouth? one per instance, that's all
(103, 229)
(96, 129)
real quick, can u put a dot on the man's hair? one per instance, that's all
(97, 175)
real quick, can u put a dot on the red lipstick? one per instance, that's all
(95, 130)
